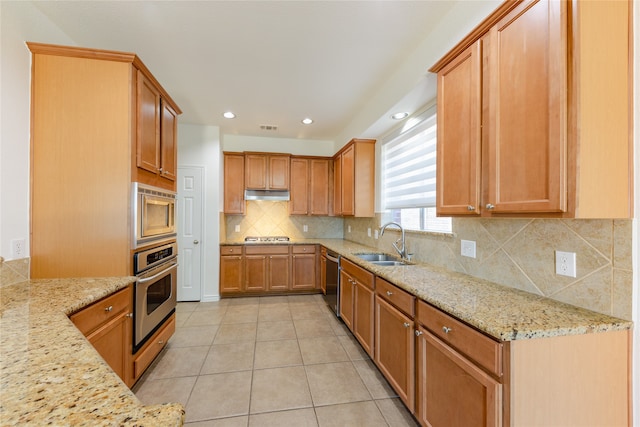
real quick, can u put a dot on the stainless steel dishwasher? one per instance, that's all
(332, 274)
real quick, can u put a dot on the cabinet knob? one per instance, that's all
(471, 208)
(109, 308)
(389, 293)
(130, 315)
(406, 324)
(160, 342)
(490, 206)
(418, 333)
(195, 242)
(230, 250)
(446, 330)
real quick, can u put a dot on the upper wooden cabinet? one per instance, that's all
(310, 185)
(266, 171)
(234, 183)
(534, 113)
(85, 129)
(354, 169)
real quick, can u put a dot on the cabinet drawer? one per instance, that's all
(396, 296)
(151, 349)
(267, 250)
(90, 318)
(358, 273)
(230, 250)
(303, 249)
(475, 345)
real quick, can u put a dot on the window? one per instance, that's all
(409, 176)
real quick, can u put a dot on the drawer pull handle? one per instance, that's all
(161, 342)
(108, 308)
(490, 206)
(418, 333)
(446, 330)
(389, 293)
(130, 315)
(406, 324)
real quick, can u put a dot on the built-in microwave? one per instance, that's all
(153, 214)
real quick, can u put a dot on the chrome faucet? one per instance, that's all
(402, 251)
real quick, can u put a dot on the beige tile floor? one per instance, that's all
(269, 361)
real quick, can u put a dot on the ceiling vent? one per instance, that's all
(269, 127)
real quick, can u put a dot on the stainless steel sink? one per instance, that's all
(388, 263)
(376, 257)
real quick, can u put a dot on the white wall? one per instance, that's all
(302, 147)
(19, 22)
(200, 146)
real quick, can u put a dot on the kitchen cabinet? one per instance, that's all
(267, 171)
(457, 367)
(394, 339)
(309, 186)
(305, 267)
(266, 268)
(354, 190)
(361, 287)
(323, 270)
(107, 325)
(85, 135)
(156, 123)
(231, 269)
(234, 203)
(153, 347)
(525, 103)
(346, 298)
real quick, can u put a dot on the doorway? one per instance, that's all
(190, 231)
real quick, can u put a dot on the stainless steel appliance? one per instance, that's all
(153, 214)
(155, 290)
(332, 274)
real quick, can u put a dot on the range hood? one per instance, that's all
(272, 195)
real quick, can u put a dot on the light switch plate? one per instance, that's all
(468, 248)
(566, 263)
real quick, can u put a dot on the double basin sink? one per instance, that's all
(382, 259)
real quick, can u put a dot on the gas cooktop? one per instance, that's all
(265, 239)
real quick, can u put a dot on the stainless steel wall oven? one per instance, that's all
(155, 290)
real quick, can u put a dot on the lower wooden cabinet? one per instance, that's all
(395, 341)
(143, 358)
(107, 324)
(357, 303)
(231, 269)
(346, 299)
(304, 268)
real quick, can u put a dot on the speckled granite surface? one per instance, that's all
(50, 374)
(504, 313)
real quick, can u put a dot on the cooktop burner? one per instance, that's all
(266, 239)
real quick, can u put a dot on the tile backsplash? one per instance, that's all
(520, 253)
(13, 271)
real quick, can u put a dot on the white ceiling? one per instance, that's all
(271, 62)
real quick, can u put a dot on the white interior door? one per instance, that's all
(190, 232)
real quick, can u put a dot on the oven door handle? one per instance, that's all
(155, 276)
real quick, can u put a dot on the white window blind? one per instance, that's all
(409, 167)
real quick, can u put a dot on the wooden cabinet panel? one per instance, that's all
(459, 136)
(346, 299)
(256, 269)
(403, 300)
(278, 176)
(234, 183)
(319, 186)
(153, 347)
(354, 173)
(255, 171)
(304, 271)
(148, 125)
(231, 274)
(279, 272)
(309, 188)
(169, 147)
(348, 181)
(337, 185)
(394, 350)
(452, 391)
(323, 271)
(266, 172)
(363, 321)
(299, 192)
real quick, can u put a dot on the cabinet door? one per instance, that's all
(337, 185)
(363, 307)
(525, 90)
(452, 391)
(459, 135)
(234, 184)
(255, 273)
(323, 274)
(169, 132)
(279, 272)
(231, 274)
(304, 272)
(394, 350)
(346, 299)
(113, 343)
(148, 125)
(278, 172)
(299, 203)
(318, 187)
(255, 171)
(348, 181)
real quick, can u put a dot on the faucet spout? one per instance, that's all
(400, 249)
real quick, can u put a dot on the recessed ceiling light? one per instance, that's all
(229, 115)
(399, 116)
(307, 121)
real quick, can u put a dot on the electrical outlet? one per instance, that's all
(375, 233)
(369, 231)
(566, 263)
(468, 248)
(18, 248)
(348, 229)
(305, 228)
(237, 228)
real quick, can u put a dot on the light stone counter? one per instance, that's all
(50, 374)
(504, 313)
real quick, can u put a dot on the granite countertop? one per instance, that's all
(504, 313)
(50, 374)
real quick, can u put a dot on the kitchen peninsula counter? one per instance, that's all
(50, 374)
(504, 313)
